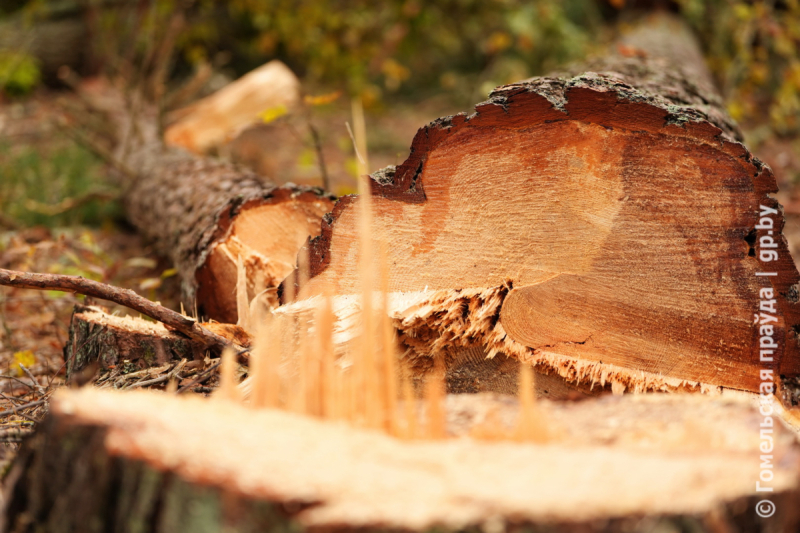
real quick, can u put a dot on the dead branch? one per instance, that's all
(69, 204)
(23, 406)
(95, 147)
(200, 379)
(125, 297)
(36, 385)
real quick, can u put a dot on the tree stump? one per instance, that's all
(149, 462)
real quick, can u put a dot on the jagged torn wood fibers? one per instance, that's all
(615, 225)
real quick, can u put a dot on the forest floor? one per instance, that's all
(42, 171)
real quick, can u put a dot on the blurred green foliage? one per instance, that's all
(459, 47)
(34, 179)
(753, 48)
(466, 47)
(371, 48)
(19, 73)
(378, 47)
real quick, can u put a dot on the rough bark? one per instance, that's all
(103, 341)
(149, 462)
(602, 226)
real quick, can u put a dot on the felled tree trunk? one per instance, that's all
(149, 462)
(607, 226)
(207, 214)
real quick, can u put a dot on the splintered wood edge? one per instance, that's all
(605, 100)
(268, 257)
(431, 322)
(667, 456)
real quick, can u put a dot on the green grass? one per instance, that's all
(33, 178)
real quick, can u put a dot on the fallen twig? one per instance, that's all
(18, 381)
(126, 297)
(160, 379)
(16, 408)
(199, 379)
(36, 385)
(23, 406)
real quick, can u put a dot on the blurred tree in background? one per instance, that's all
(460, 47)
(371, 48)
(753, 49)
(455, 45)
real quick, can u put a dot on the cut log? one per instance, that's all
(149, 462)
(205, 214)
(218, 118)
(607, 226)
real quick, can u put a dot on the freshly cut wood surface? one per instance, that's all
(602, 226)
(218, 118)
(448, 323)
(266, 233)
(151, 462)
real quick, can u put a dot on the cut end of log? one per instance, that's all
(623, 226)
(266, 234)
(151, 458)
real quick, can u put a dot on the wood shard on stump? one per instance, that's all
(602, 226)
(220, 117)
(145, 461)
